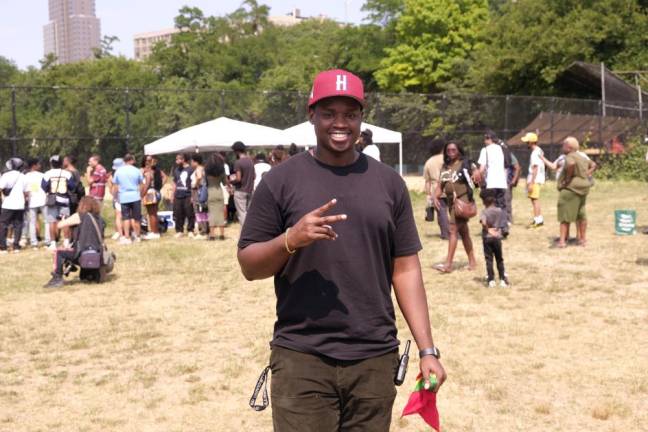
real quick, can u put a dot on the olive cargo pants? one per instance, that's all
(319, 394)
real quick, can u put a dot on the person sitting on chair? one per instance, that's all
(86, 221)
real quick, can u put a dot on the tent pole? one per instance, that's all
(400, 158)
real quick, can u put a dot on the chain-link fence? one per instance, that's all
(39, 121)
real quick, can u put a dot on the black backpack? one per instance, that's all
(508, 160)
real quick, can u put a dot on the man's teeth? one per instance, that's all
(339, 136)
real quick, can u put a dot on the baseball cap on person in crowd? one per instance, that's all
(530, 137)
(238, 146)
(117, 162)
(336, 82)
(14, 164)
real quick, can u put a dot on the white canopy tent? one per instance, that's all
(303, 135)
(216, 135)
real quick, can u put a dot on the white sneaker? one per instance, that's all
(16, 251)
(137, 239)
(22, 243)
(116, 236)
(52, 246)
(152, 236)
(191, 235)
(178, 235)
(492, 284)
(4, 252)
(200, 237)
(125, 241)
(503, 284)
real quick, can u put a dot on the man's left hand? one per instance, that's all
(430, 365)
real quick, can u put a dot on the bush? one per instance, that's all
(631, 165)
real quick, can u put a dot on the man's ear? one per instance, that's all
(311, 114)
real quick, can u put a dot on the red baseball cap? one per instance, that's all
(336, 82)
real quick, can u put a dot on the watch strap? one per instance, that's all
(434, 351)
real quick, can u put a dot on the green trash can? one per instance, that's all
(625, 222)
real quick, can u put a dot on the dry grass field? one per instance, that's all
(177, 338)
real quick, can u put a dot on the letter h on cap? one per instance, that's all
(341, 83)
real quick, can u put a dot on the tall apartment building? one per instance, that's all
(73, 30)
(143, 43)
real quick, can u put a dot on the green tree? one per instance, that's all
(106, 47)
(533, 41)
(435, 39)
(383, 11)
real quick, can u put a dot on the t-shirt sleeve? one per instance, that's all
(482, 157)
(427, 171)
(115, 179)
(406, 238)
(237, 166)
(264, 220)
(535, 158)
(514, 160)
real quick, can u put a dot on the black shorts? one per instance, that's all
(132, 210)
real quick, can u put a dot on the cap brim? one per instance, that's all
(362, 103)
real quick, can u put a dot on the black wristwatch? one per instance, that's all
(434, 351)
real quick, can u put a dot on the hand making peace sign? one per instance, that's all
(314, 226)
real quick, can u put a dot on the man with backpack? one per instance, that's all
(57, 184)
(14, 189)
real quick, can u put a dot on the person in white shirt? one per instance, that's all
(535, 178)
(492, 167)
(261, 166)
(37, 196)
(14, 188)
(368, 147)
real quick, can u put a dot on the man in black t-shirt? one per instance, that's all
(182, 207)
(335, 347)
(243, 180)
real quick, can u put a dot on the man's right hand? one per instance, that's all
(437, 203)
(314, 226)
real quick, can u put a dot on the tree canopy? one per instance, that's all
(247, 67)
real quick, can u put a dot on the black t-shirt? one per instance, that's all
(334, 297)
(182, 179)
(246, 166)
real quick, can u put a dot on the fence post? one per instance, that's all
(127, 119)
(600, 122)
(14, 123)
(222, 103)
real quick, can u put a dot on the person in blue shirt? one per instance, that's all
(128, 183)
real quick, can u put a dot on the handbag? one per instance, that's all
(90, 259)
(202, 193)
(463, 209)
(151, 197)
(107, 258)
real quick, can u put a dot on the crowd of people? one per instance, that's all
(203, 194)
(451, 181)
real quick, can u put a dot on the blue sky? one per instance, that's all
(21, 21)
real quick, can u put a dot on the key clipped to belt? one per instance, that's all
(399, 379)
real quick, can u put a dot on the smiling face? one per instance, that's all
(337, 123)
(452, 151)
